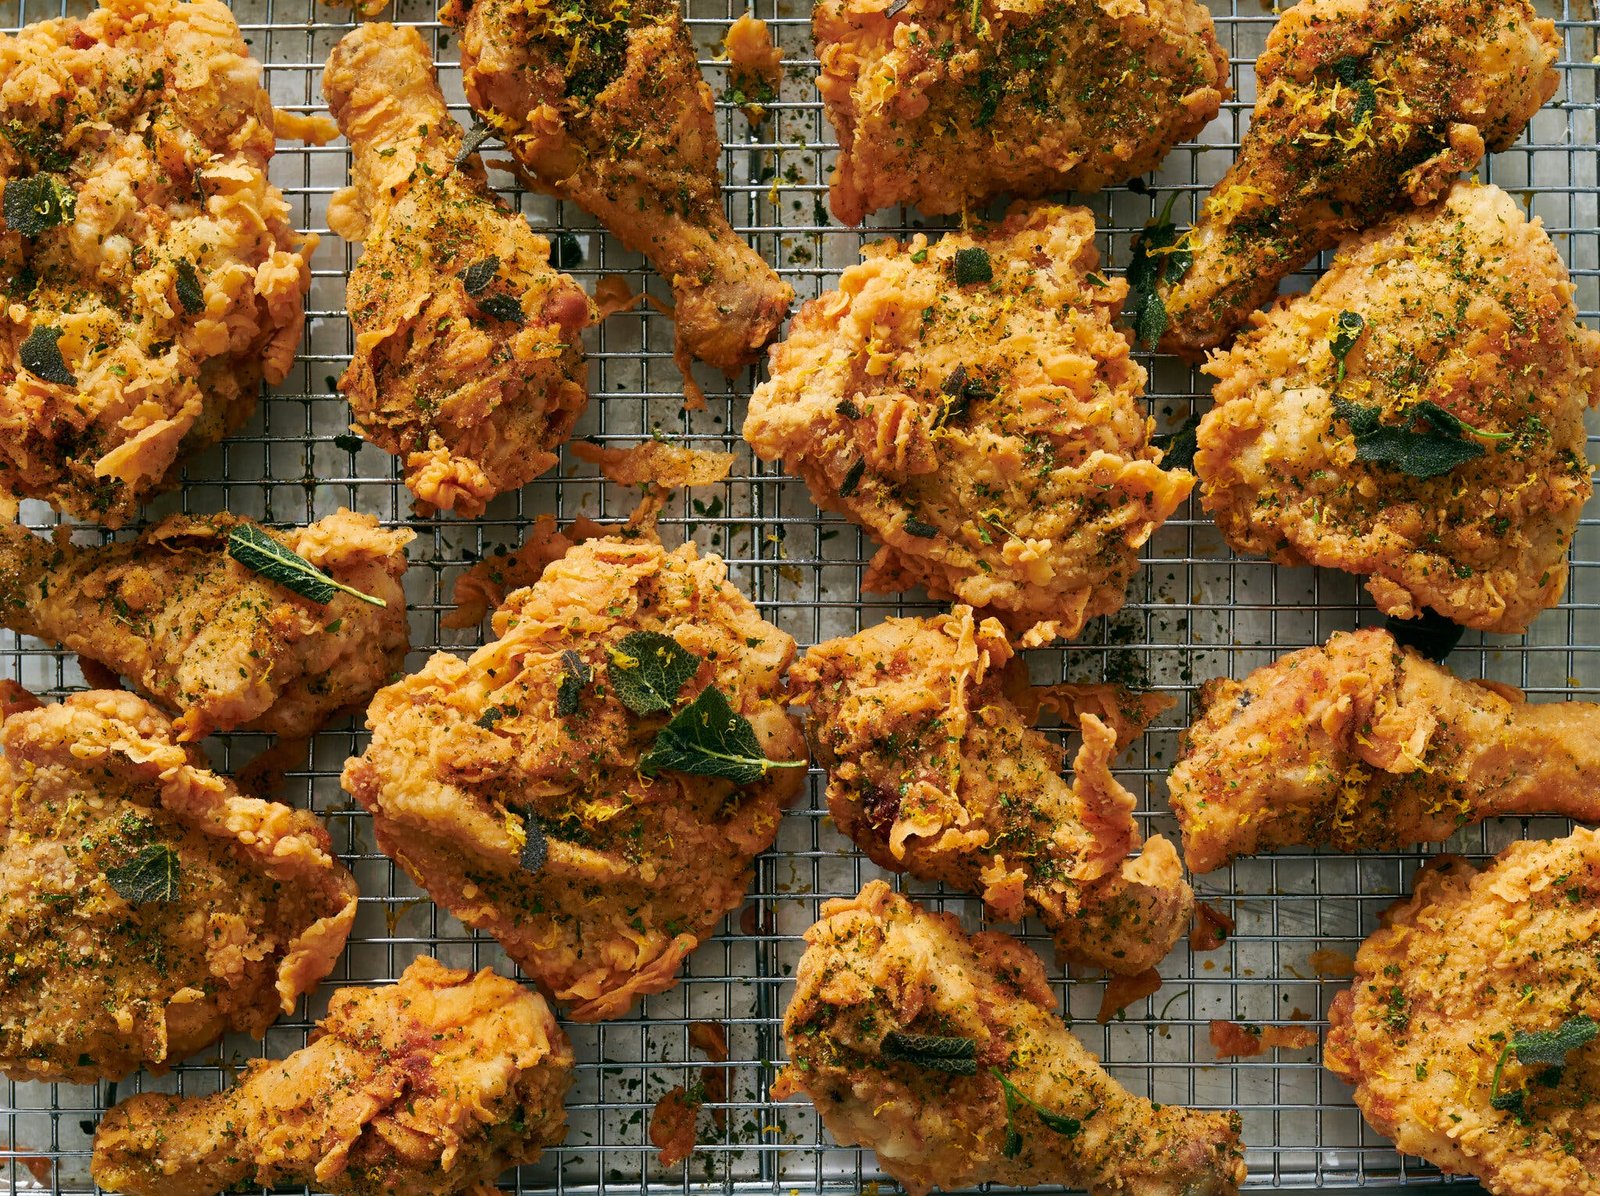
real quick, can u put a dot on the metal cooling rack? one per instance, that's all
(1194, 612)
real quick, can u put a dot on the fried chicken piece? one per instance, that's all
(1363, 745)
(146, 906)
(991, 434)
(154, 280)
(879, 967)
(933, 770)
(1464, 324)
(1363, 109)
(468, 354)
(428, 1087)
(520, 788)
(944, 104)
(1446, 996)
(197, 631)
(603, 104)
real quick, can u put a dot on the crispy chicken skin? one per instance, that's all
(198, 632)
(1363, 745)
(603, 104)
(246, 907)
(469, 758)
(946, 103)
(428, 1087)
(1363, 108)
(471, 401)
(1466, 306)
(878, 963)
(991, 435)
(934, 770)
(173, 277)
(1470, 960)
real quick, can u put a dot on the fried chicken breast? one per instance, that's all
(468, 357)
(222, 645)
(146, 906)
(944, 104)
(604, 105)
(1362, 745)
(944, 1053)
(1458, 319)
(1469, 1031)
(152, 277)
(970, 404)
(934, 770)
(429, 1087)
(1363, 109)
(551, 789)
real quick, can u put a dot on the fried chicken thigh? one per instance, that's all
(1363, 745)
(197, 631)
(1363, 108)
(603, 104)
(152, 277)
(935, 771)
(428, 1087)
(1458, 319)
(1469, 1030)
(146, 907)
(528, 791)
(884, 982)
(944, 104)
(970, 404)
(468, 357)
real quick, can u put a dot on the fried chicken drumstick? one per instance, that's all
(428, 1087)
(1362, 745)
(468, 359)
(148, 908)
(933, 770)
(944, 1052)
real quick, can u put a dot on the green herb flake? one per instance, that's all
(921, 530)
(40, 355)
(152, 875)
(260, 553)
(647, 670)
(709, 738)
(933, 1052)
(477, 277)
(493, 715)
(1159, 258)
(848, 409)
(1178, 448)
(1347, 330)
(535, 845)
(852, 478)
(576, 677)
(919, 256)
(191, 294)
(33, 204)
(973, 265)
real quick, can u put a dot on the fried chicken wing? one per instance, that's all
(468, 357)
(604, 105)
(1458, 319)
(944, 104)
(539, 795)
(1453, 1030)
(935, 771)
(884, 984)
(224, 646)
(146, 906)
(153, 279)
(1363, 109)
(970, 404)
(1363, 745)
(428, 1087)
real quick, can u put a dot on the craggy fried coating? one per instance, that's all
(250, 906)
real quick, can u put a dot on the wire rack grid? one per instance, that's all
(1194, 612)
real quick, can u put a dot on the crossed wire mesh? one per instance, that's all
(1194, 612)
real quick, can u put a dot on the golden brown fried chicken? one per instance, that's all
(970, 404)
(428, 1087)
(935, 771)
(1363, 109)
(224, 646)
(152, 277)
(604, 105)
(1363, 745)
(146, 906)
(944, 104)
(468, 357)
(1469, 1032)
(592, 787)
(935, 1047)
(1458, 321)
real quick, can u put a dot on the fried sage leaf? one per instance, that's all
(709, 738)
(152, 875)
(934, 1052)
(40, 354)
(34, 204)
(1159, 257)
(648, 669)
(262, 554)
